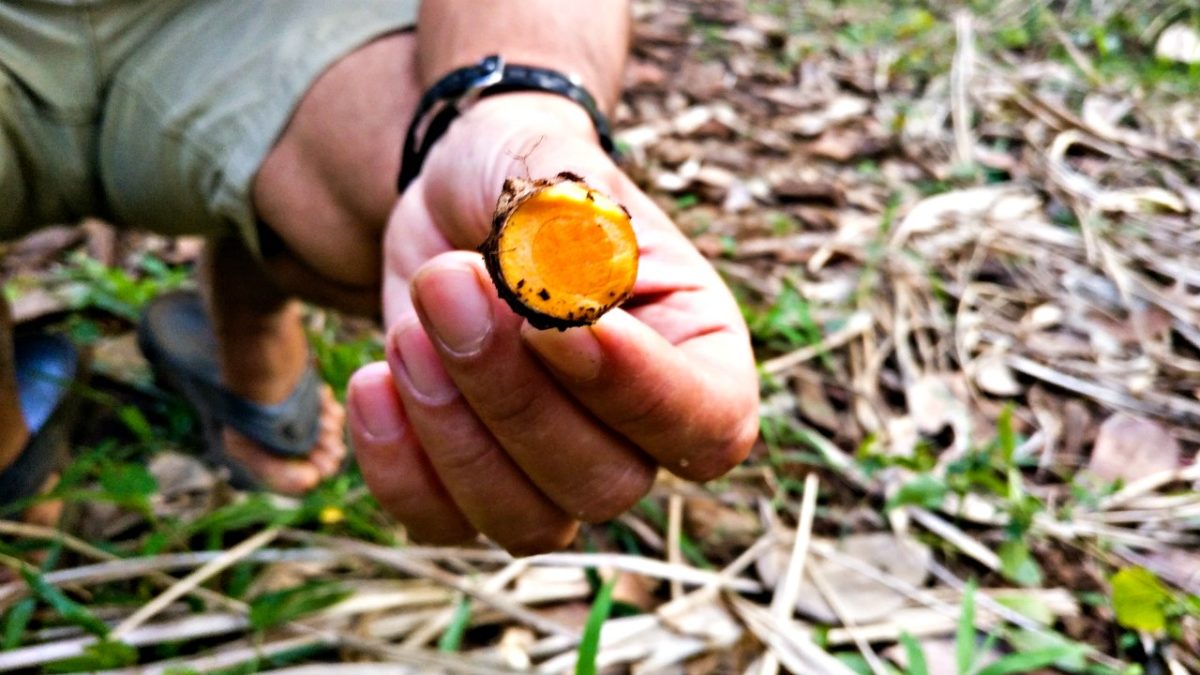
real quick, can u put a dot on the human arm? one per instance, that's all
(480, 423)
(588, 39)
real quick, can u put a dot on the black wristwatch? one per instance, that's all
(491, 76)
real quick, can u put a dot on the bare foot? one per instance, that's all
(264, 359)
(291, 475)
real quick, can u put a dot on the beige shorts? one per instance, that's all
(157, 113)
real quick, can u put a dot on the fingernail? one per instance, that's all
(574, 352)
(417, 364)
(453, 302)
(374, 410)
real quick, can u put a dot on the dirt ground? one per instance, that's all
(964, 236)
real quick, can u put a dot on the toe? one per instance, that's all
(327, 456)
(279, 474)
(292, 475)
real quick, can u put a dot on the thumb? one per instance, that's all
(525, 135)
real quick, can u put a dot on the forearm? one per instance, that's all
(587, 39)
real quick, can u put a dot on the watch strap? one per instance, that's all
(490, 77)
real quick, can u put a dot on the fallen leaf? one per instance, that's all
(36, 303)
(120, 359)
(1128, 448)
(933, 404)
(992, 375)
(814, 403)
(708, 520)
(1179, 42)
(864, 599)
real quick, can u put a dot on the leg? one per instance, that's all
(322, 182)
(329, 183)
(334, 260)
(13, 432)
(263, 354)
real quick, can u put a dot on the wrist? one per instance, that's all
(462, 89)
(536, 112)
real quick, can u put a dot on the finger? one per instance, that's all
(488, 487)
(393, 464)
(411, 238)
(587, 470)
(462, 195)
(692, 407)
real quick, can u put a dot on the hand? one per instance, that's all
(480, 423)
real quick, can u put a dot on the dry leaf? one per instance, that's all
(1179, 42)
(992, 375)
(1128, 448)
(865, 599)
(707, 519)
(933, 404)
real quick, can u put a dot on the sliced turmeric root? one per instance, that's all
(560, 253)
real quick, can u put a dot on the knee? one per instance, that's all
(327, 186)
(343, 142)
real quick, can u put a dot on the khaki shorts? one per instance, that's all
(158, 113)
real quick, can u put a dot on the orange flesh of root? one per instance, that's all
(565, 253)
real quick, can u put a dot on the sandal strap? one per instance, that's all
(25, 477)
(185, 356)
(288, 428)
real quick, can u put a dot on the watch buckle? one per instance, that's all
(493, 74)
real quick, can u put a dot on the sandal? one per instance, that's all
(47, 369)
(177, 338)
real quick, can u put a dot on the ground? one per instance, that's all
(963, 235)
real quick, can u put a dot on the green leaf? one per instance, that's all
(1005, 436)
(101, 655)
(589, 646)
(1018, 565)
(916, 656)
(1026, 662)
(964, 639)
(136, 422)
(923, 490)
(857, 663)
(451, 640)
(257, 509)
(278, 607)
(67, 608)
(1139, 600)
(1031, 606)
(127, 482)
(16, 622)
(1073, 659)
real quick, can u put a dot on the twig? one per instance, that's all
(856, 325)
(961, 71)
(191, 581)
(492, 585)
(674, 538)
(783, 602)
(396, 559)
(840, 610)
(955, 536)
(789, 641)
(1173, 408)
(646, 567)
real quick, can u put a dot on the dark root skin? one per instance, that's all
(514, 193)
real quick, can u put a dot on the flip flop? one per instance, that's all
(47, 367)
(177, 338)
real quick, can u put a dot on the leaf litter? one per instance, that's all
(965, 242)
